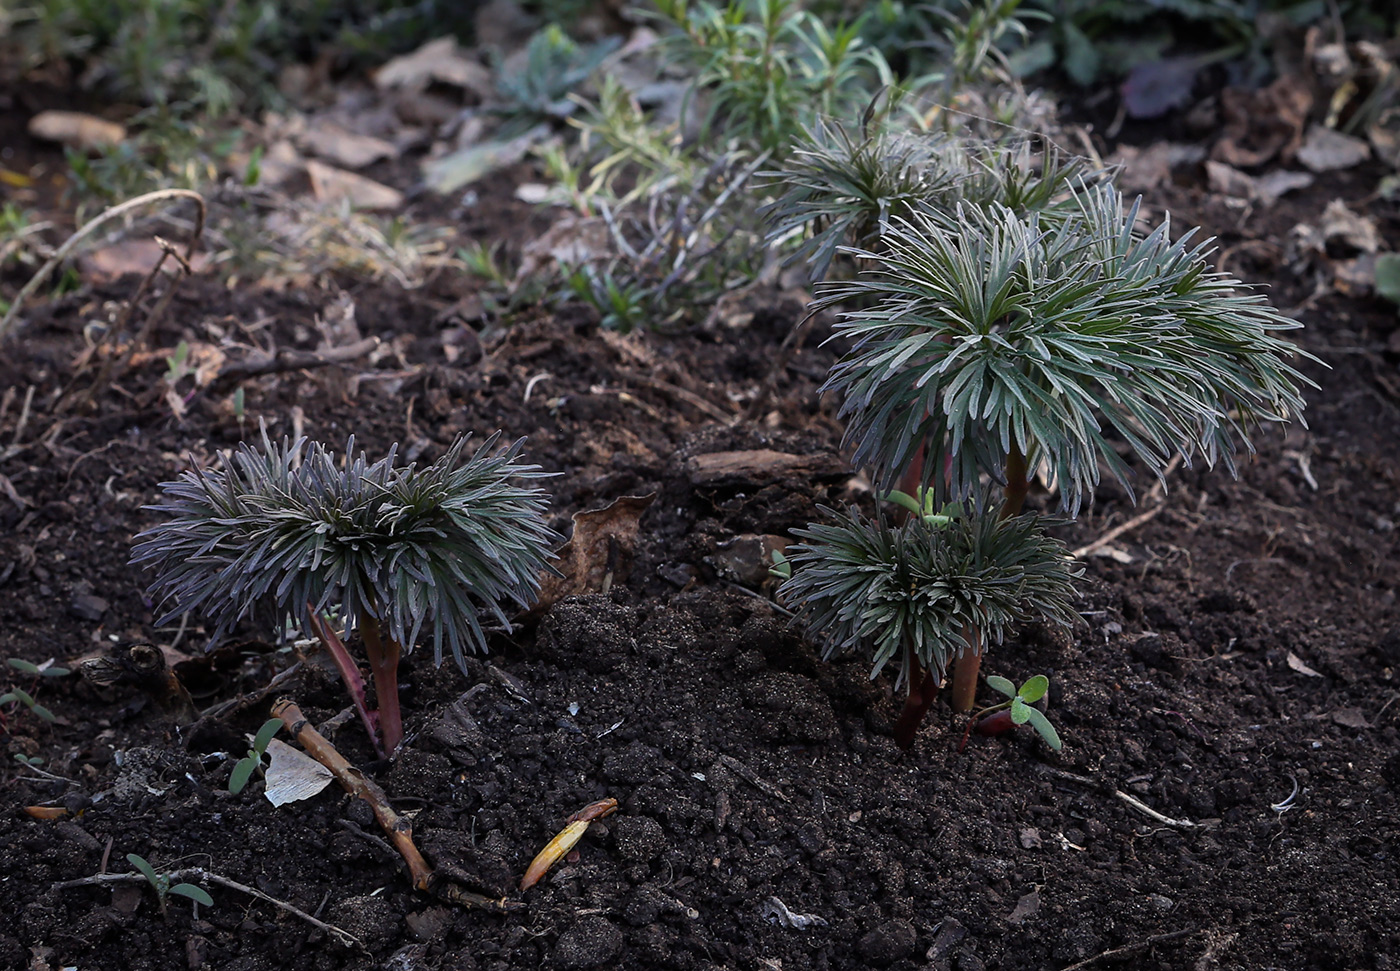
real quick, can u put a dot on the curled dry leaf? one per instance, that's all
(1259, 125)
(1327, 150)
(557, 848)
(438, 60)
(600, 551)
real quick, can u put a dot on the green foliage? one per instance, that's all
(554, 66)
(244, 768)
(1388, 276)
(839, 189)
(765, 68)
(214, 56)
(160, 883)
(985, 334)
(17, 696)
(925, 590)
(287, 531)
(1021, 700)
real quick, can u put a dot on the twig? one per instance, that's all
(355, 782)
(200, 874)
(289, 359)
(1129, 948)
(1156, 492)
(1135, 803)
(38, 279)
(234, 705)
(752, 777)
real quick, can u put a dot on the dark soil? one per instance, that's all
(1239, 649)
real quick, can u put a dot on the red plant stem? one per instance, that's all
(384, 653)
(923, 689)
(969, 666)
(349, 673)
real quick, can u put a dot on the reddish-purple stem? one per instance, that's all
(350, 674)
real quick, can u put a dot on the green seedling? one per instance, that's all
(32, 761)
(245, 767)
(284, 534)
(160, 883)
(1001, 718)
(18, 696)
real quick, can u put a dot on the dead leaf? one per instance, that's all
(1350, 718)
(467, 165)
(1279, 183)
(1355, 277)
(1026, 908)
(137, 256)
(1229, 181)
(354, 151)
(292, 775)
(438, 60)
(602, 547)
(330, 184)
(76, 129)
(572, 241)
(1345, 231)
(1327, 150)
(1259, 125)
(1296, 663)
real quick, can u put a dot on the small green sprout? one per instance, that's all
(160, 882)
(18, 696)
(246, 766)
(1002, 717)
(32, 761)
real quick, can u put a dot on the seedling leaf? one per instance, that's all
(242, 772)
(1034, 689)
(8, 697)
(1001, 685)
(54, 672)
(1020, 711)
(197, 894)
(264, 736)
(42, 712)
(1042, 725)
(27, 667)
(25, 697)
(146, 869)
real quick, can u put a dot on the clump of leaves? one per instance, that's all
(765, 68)
(244, 768)
(160, 883)
(1026, 329)
(926, 592)
(841, 189)
(286, 533)
(992, 341)
(554, 66)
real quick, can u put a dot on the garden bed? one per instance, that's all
(1226, 797)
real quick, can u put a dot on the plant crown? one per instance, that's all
(285, 527)
(926, 589)
(983, 332)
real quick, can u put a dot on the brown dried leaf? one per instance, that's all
(332, 184)
(602, 546)
(438, 60)
(347, 148)
(1258, 125)
(1296, 663)
(1327, 150)
(76, 129)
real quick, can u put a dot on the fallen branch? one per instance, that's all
(199, 874)
(398, 829)
(355, 782)
(289, 359)
(38, 279)
(1130, 948)
(1132, 801)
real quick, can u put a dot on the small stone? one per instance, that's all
(590, 943)
(429, 925)
(88, 606)
(890, 942)
(1030, 838)
(1160, 903)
